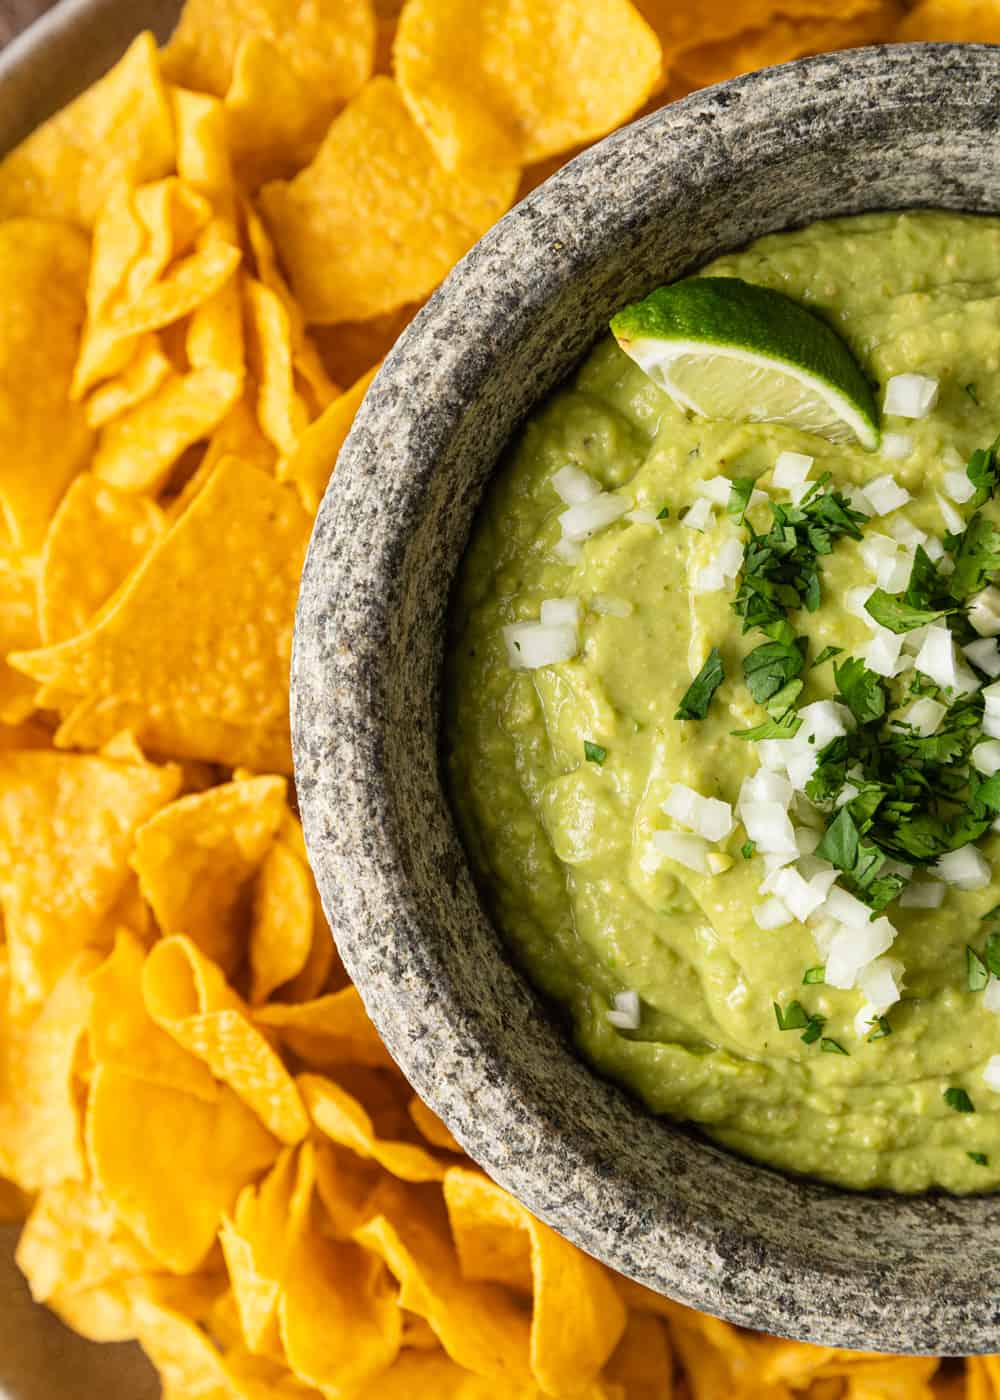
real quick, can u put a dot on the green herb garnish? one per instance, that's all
(980, 1158)
(813, 1030)
(814, 974)
(977, 974)
(880, 1028)
(992, 953)
(739, 497)
(826, 655)
(977, 555)
(983, 469)
(772, 665)
(892, 611)
(698, 696)
(973, 394)
(793, 1018)
(663, 513)
(594, 753)
(831, 1047)
(959, 1100)
(747, 849)
(861, 690)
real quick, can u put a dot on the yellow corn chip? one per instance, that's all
(105, 1313)
(44, 439)
(203, 158)
(148, 1148)
(196, 859)
(480, 1325)
(118, 129)
(684, 24)
(67, 823)
(578, 1318)
(40, 1137)
(311, 460)
(14, 1203)
(334, 1030)
(18, 628)
(190, 1365)
(96, 538)
(329, 44)
(642, 1362)
(180, 676)
(429, 1125)
(257, 1378)
(323, 971)
(188, 996)
(281, 412)
(348, 1188)
(351, 348)
(352, 227)
(952, 21)
(338, 1318)
(514, 81)
(141, 377)
(281, 932)
(270, 114)
(124, 1035)
(341, 1117)
(432, 1375)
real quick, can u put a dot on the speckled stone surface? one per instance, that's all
(877, 128)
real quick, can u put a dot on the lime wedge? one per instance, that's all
(724, 348)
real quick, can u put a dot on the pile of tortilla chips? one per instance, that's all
(202, 261)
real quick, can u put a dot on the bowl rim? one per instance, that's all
(712, 1268)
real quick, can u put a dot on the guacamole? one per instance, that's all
(683, 978)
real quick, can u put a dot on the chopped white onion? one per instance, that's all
(613, 607)
(853, 947)
(583, 520)
(924, 716)
(568, 551)
(881, 981)
(915, 638)
(803, 897)
(764, 786)
(575, 486)
(706, 816)
(886, 494)
(855, 600)
(951, 457)
(717, 489)
(923, 894)
(991, 995)
(986, 757)
(934, 550)
(771, 914)
(822, 721)
(531, 645)
(557, 612)
(806, 841)
(710, 579)
(896, 446)
(857, 500)
(846, 794)
(846, 909)
(910, 395)
(936, 658)
(791, 469)
(991, 1074)
(959, 487)
(967, 869)
(699, 515)
(730, 557)
(906, 532)
(641, 517)
(991, 725)
(984, 612)
(767, 824)
(882, 652)
(690, 851)
(953, 522)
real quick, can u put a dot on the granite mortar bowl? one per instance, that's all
(880, 128)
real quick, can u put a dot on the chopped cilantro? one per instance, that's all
(959, 1100)
(747, 849)
(892, 611)
(977, 555)
(983, 471)
(826, 655)
(831, 1047)
(739, 497)
(993, 913)
(663, 513)
(973, 393)
(977, 973)
(772, 665)
(698, 696)
(793, 1018)
(840, 843)
(861, 690)
(992, 953)
(782, 728)
(880, 1028)
(813, 1030)
(814, 974)
(980, 1158)
(594, 753)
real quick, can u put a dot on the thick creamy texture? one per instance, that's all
(561, 846)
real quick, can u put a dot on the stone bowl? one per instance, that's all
(877, 128)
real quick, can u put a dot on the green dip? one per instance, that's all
(561, 844)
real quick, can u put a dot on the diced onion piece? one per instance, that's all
(531, 645)
(765, 786)
(710, 579)
(846, 794)
(991, 725)
(910, 395)
(984, 655)
(717, 489)
(925, 715)
(625, 1015)
(923, 894)
(801, 896)
(865, 1020)
(991, 995)
(906, 533)
(886, 494)
(934, 550)
(771, 914)
(641, 517)
(699, 515)
(730, 557)
(846, 909)
(855, 600)
(558, 612)
(896, 446)
(984, 612)
(806, 840)
(822, 721)
(986, 757)
(583, 520)
(690, 851)
(575, 486)
(881, 981)
(706, 816)
(801, 762)
(613, 607)
(719, 862)
(936, 658)
(857, 500)
(853, 947)
(567, 551)
(991, 1074)
(951, 457)
(772, 753)
(791, 469)
(915, 638)
(768, 825)
(882, 652)
(953, 522)
(966, 869)
(959, 487)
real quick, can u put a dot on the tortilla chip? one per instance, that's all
(348, 1188)
(333, 1030)
(323, 971)
(44, 440)
(106, 1313)
(142, 376)
(951, 21)
(578, 1318)
(124, 1035)
(311, 460)
(281, 412)
(352, 227)
(203, 156)
(14, 1203)
(97, 537)
(685, 24)
(119, 129)
(181, 677)
(479, 1325)
(148, 1148)
(271, 116)
(18, 628)
(67, 823)
(190, 1365)
(351, 348)
(514, 81)
(40, 1131)
(196, 859)
(429, 1125)
(342, 1118)
(187, 995)
(281, 931)
(642, 1362)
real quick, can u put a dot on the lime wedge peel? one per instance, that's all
(727, 349)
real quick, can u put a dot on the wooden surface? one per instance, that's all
(17, 14)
